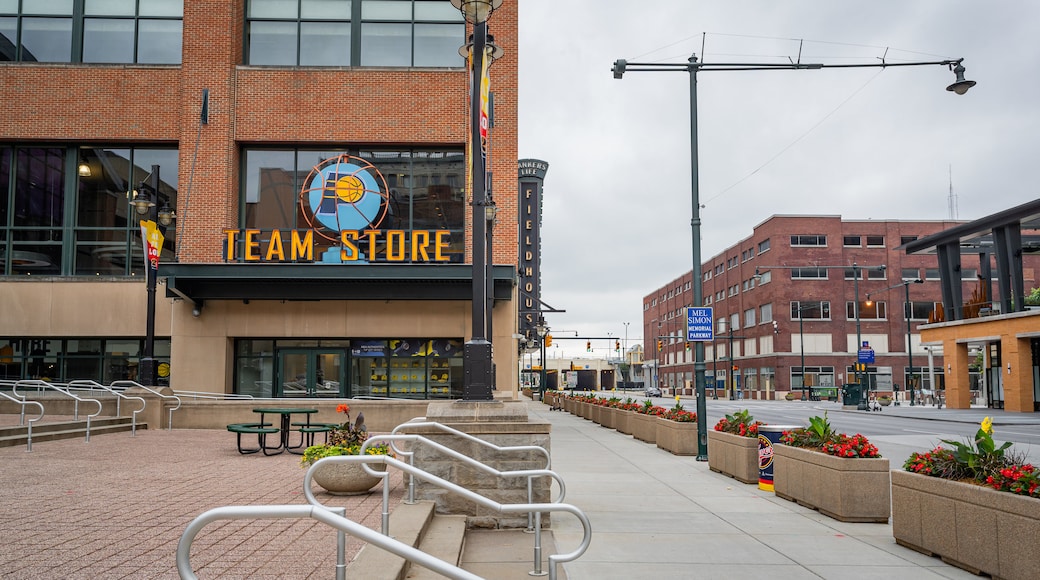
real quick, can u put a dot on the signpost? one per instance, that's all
(699, 324)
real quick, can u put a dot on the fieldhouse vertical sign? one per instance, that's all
(532, 175)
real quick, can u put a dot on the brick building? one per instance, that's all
(276, 126)
(789, 290)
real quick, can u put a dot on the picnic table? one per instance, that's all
(286, 423)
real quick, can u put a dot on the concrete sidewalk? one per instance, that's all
(656, 515)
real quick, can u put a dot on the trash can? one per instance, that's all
(769, 435)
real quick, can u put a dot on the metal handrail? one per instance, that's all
(21, 421)
(45, 385)
(519, 508)
(89, 384)
(321, 514)
(169, 421)
(422, 422)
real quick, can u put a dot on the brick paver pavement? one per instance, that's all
(116, 507)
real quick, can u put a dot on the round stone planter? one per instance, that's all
(346, 478)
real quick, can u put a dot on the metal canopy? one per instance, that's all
(200, 282)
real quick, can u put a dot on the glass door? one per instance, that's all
(311, 372)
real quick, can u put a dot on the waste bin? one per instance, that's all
(769, 435)
(851, 394)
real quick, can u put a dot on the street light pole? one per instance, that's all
(478, 379)
(692, 67)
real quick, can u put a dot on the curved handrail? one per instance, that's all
(89, 384)
(321, 514)
(45, 385)
(169, 421)
(21, 421)
(422, 422)
(519, 508)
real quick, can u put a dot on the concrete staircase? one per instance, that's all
(18, 435)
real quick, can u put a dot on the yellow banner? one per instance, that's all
(152, 239)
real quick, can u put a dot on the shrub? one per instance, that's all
(739, 423)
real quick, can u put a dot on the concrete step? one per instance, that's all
(18, 435)
(443, 539)
(407, 524)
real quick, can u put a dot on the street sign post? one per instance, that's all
(699, 324)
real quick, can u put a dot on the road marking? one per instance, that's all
(920, 431)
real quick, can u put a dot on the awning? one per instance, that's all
(201, 282)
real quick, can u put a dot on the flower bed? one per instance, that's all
(975, 505)
(733, 447)
(644, 422)
(677, 431)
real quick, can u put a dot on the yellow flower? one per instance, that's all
(987, 426)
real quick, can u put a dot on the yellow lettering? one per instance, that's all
(528, 256)
(372, 235)
(230, 244)
(349, 251)
(528, 271)
(440, 244)
(529, 287)
(303, 248)
(395, 246)
(420, 239)
(252, 246)
(528, 224)
(274, 248)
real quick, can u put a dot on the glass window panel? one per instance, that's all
(273, 9)
(386, 44)
(101, 199)
(109, 7)
(60, 7)
(159, 41)
(443, 11)
(438, 45)
(39, 186)
(161, 8)
(108, 40)
(36, 259)
(47, 39)
(272, 43)
(8, 39)
(326, 9)
(325, 43)
(8, 6)
(387, 10)
(83, 346)
(270, 189)
(104, 252)
(5, 179)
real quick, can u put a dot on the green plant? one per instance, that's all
(739, 423)
(677, 413)
(790, 396)
(981, 457)
(820, 435)
(344, 439)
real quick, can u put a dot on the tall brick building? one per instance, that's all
(276, 126)
(789, 290)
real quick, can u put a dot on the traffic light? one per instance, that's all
(588, 346)
(660, 343)
(687, 347)
(548, 340)
(617, 345)
(735, 368)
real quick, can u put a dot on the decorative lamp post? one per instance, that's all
(543, 330)
(146, 204)
(692, 67)
(478, 380)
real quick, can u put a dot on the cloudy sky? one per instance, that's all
(860, 143)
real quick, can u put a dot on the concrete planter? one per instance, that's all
(608, 417)
(849, 490)
(644, 427)
(677, 438)
(623, 421)
(974, 527)
(733, 455)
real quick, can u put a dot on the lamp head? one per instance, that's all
(960, 86)
(476, 10)
(619, 67)
(166, 215)
(142, 200)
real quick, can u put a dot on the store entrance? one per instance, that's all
(311, 372)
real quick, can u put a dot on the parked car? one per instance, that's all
(652, 391)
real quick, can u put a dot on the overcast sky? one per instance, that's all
(860, 143)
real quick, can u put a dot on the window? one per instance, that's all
(394, 33)
(749, 318)
(92, 31)
(872, 273)
(808, 273)
(906, 239)
(931, 274)
(734, 290)
(707, 275)
(819, 310)
(809, 240)
(425, 191)
(63, 359)
(910, 274)
(867, 310)
(875, 241)
(734, 321)
(765, 312)
(70, 214)
(969, 273)
(765, 277)
(920, 310)
(852, 241)
(763, 245)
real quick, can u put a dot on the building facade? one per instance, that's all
(315, 156)
(818, 289)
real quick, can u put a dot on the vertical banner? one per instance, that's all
(532, 175)
(152, 240)
(485, 92)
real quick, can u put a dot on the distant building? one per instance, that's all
(788, 291)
